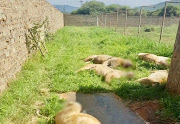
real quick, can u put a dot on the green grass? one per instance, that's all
(168, 37)
(56, 71)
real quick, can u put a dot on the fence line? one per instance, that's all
(122, 21)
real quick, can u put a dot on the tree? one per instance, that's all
(171, 10)
(173, 84)
(92, 7)
(115, 7)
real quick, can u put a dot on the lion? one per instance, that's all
(107, 72)
(116, 74)
(72, 115)
(97, 59)
(158, 60)
(116, 62)
(157, 77)
(110, 61)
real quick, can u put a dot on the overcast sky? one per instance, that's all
(132, 3)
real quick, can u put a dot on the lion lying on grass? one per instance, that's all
(157, 77)
(72, 115)
(116, 62)
(107, 72)
(97, 59)
(110, 61)
(159, 60)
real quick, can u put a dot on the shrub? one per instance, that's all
(149, 29)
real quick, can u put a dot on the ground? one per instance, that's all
(56, 72)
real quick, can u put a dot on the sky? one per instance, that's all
(131, 3)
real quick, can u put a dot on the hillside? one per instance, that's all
(66, 8)
(161, 5)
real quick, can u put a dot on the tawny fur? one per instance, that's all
(107, 72)
(116, 62)
(110, 61)
(72, 115)
(97, 59)
(157, 77)
(116, 74)
(159, 60)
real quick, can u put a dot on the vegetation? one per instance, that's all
(115, 7)
(95, 7)
(148, 28)
(56, 71)
(35, 37)
(172, 10)
(169, 33)
(92, 7)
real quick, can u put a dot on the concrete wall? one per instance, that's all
(16, 16)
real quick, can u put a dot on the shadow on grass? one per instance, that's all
(92, 89)
(137, 92)
(149, 66)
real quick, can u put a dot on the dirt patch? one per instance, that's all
(147, 110)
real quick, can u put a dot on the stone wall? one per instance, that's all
(16, 16)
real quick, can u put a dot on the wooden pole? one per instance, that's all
(110, 20)
(125, 22)
(117, 18)
(102, 17)
(97, 20)
(164, 17)
(140, 20)
(151, 20)
(105, 20)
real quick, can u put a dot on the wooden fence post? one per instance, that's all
(110, 20)
(117, 18)
(105, 21)
(125, 22)
(164, 17)
(140, 19)
(97, 19)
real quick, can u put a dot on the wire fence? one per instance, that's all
(124, 23)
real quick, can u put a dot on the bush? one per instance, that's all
(149, 29)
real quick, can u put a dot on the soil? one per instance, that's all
(147, 110)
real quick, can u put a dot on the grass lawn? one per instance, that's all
(168, 37)
(56, 71)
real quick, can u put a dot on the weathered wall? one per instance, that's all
(16, 16)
